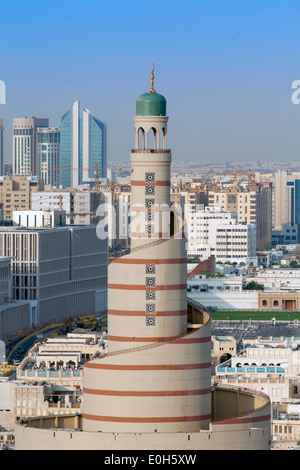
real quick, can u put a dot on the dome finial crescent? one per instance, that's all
(152, 81)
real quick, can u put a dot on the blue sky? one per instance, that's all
(225, 68)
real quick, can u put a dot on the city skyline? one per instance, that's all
(227, 68)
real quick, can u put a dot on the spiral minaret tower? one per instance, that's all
(156, 376)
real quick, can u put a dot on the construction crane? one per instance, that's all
(97, 188)
(60, 205)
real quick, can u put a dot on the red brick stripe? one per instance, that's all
(155, 236)
(150, 393)
(156, 183)
(142, 313)
(140, 287)
(155, 339)
(93, 365)
(141, 208)
(172, 419)
(126, 260)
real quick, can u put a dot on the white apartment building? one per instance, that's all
(213, 231)
(39, 219)
(272, 366)
(58, 199)
(277, 279)
(221, 293)
(86, 203)
(80, 204)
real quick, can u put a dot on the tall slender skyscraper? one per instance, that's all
(24, 144)
(152, 389)
(1, 147)
(82, 147)
(47, 150)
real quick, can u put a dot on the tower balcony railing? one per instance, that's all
(150, 150)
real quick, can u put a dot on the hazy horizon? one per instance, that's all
(225, 68)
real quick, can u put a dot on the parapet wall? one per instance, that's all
(246, 430)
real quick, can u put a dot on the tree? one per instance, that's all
(253, 285)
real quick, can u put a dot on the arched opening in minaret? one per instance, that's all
(141, 139)
(151, 139)
(163, 139)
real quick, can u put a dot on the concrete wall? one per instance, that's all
(247, 430)
(227, 299)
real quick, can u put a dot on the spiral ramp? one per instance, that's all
(156, 376)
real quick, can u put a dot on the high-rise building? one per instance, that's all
(82, 148)
(47, 154)
(286, 200)
(214, 231)
(251, 202)
(117, 209)
(24, 144)
(1, 147)
(188, 199)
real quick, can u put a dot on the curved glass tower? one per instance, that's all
(83, 147)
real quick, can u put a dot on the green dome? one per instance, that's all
(151, 104)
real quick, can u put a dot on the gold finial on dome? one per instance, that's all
(152, 81)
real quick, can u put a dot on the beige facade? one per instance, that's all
(117, 197)
(188, 198)
(279, 300)
(39, 399)
(233, 427)
(15, 193)
(24, 144)
(252, 204)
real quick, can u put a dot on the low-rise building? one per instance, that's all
(272, 366)
(220, 292)
(15, 193)
(48, 382)
(63, 269)
(60, 360)
(39, 219)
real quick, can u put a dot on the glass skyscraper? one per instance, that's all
(47, 152)
(82, 147)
